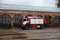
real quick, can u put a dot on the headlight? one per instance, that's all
(38, 26)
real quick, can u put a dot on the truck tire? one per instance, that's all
(42, 27)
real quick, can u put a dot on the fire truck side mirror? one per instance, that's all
(24, 19)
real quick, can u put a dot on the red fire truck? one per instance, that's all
(33, 22)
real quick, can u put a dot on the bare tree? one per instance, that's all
(58, 5)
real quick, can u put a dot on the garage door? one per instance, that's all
(16, 19)
(5, 21)
(56, 21)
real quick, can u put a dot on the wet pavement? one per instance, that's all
(42, 34)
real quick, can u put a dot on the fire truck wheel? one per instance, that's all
(24, 27)
(42, 27)
(27, 26)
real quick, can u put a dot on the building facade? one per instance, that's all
(14, 16)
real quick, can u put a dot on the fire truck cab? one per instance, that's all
(33, 22)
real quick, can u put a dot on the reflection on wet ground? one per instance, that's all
(44, 34)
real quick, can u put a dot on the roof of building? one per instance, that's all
(29, 8)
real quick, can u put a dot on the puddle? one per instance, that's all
(20, 37)
(35, 39)
(46, 39)
(12, 34)
(0, 38)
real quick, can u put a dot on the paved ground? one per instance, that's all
(17, 34)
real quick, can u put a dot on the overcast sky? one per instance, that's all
(45, 3)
